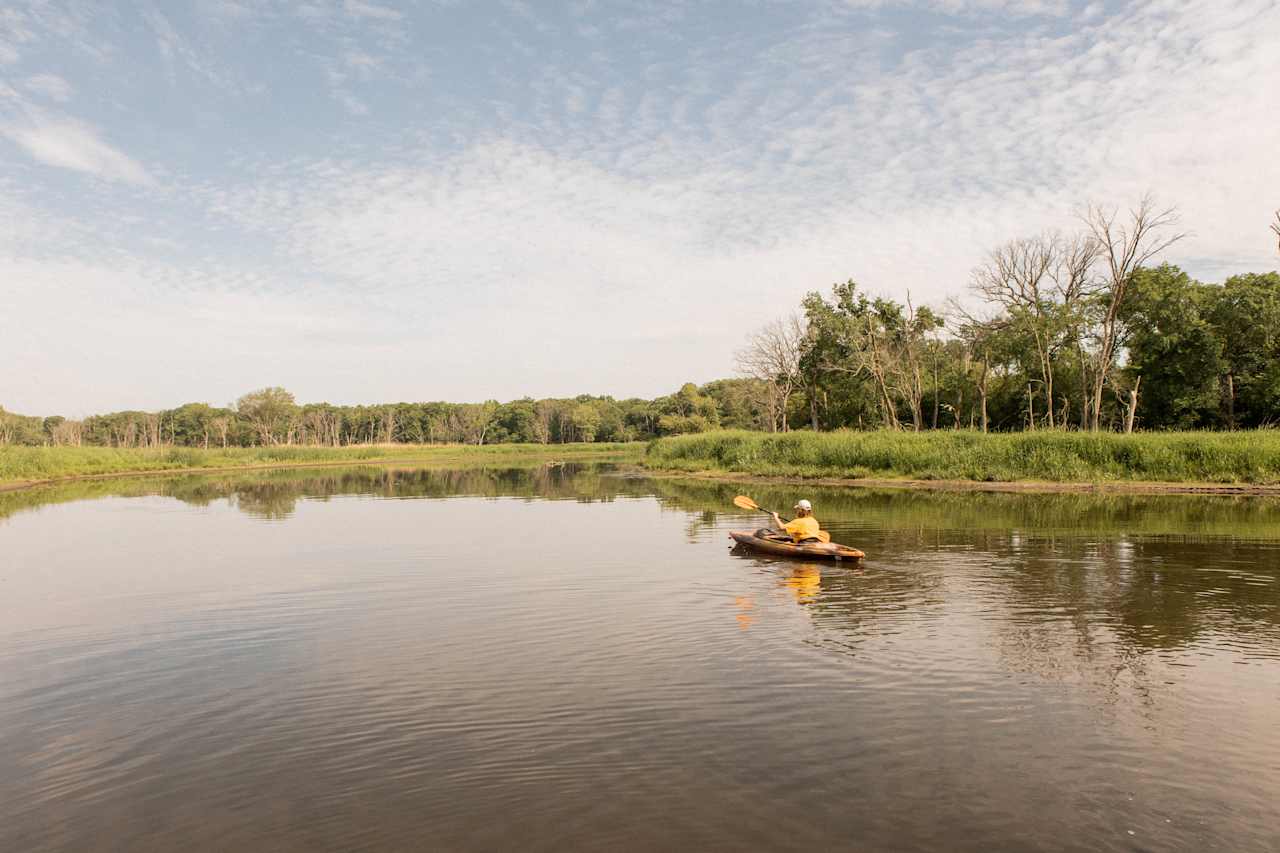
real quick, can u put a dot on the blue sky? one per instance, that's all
(431, 200)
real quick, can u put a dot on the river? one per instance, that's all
(572, 657)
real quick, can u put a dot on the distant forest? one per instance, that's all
(1057, 331)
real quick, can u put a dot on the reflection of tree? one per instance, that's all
(963, 513)
(1085, 588)
(1100, 612)
(273, 494)
(1069, 579)
(272, 501)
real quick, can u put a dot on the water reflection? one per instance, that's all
(274, 495)
(1091, 562)
(233, 661)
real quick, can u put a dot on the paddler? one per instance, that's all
(804, 527)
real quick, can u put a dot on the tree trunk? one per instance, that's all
(935, 393)
(1231, 401)
(1131, 410)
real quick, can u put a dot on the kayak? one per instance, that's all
(809, 550)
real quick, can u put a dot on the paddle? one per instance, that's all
(744, 502)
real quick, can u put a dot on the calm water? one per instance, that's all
(573, 658)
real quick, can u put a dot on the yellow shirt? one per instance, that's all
(803, 528)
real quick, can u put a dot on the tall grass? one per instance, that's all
(25, 464)
(1237, 457)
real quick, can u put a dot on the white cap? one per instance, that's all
(804, 505)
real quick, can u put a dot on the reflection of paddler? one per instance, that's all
(805, 582)
(745, 605)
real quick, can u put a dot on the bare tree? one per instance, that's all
(1039, 283)
(772, 355)
(910, 342)
(1128, 400)
(223, 426)
(1123, 247)
(1074, 281)
(1275, 226)
(544, 411)
(68, 433)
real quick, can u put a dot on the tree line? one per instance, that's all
(1079, 331)
(272, 416)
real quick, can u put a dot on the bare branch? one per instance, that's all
(1125, 246)
(772, 355)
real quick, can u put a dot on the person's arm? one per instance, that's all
(778, 521)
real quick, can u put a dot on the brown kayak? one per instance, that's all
(809, 550)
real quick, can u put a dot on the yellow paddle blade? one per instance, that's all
(744, 502)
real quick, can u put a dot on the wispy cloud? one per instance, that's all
(361, 9)
(671, 182)
(50, 86)
(71, 144)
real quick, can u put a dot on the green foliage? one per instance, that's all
(1246, 316)
(1056, 456)
(1175, 348)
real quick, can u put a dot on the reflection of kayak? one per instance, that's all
(809, 550)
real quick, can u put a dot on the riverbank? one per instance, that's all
(1195, 462)
(22, 467)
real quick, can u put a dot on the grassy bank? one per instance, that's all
(19, 465)
(1061, 457)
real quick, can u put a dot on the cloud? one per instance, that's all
(614, 216)
(70, 144)
(360, 9)
(50, 86)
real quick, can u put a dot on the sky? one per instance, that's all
(373, 201)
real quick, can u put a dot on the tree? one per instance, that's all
(1246, 317)
(1038, 283)
(855, 335)
(1173, 348)
(270, 411)
(772, 355)
(586, 421)
(1275, 227)
(1123, 248)
(67, 433)
(471, 421)
(737, 403)
(191, 423)
(221, 425)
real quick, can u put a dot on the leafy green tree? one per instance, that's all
(1247, 318)
(1173, 348)
(586, 421)
(737, 403)
(270, 411)
(191, 424)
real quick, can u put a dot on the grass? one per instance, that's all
(1065, 457)
(20, 465)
